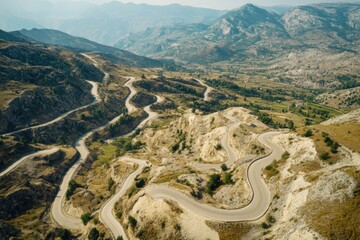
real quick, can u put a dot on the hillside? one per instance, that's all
(78, 44)
(40, 82)
(308, 39)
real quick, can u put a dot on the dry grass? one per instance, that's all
(336, 220)
(231, 231)
(320, 145)
(346, 134)
(11, 90)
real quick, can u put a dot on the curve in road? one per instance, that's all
(255, 209)
(94, 92)
(207, 91)
(18, 162)
(107, 215)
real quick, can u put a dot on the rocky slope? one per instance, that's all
(78, 44)
(40, 82)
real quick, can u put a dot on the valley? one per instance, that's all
(240, 124)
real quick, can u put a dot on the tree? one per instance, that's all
(227, 178)
(325, 156)
(65, 234)
(85, 218)
(132, 221)
(214, 182)
(140, 183)
(308, 133)
(94, 234)
(224, 167)
(119, 238)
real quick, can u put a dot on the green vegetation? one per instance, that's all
(285, 155)
(213, 183)
(308, 133)
(329, 142)
(132, 221)
(71, 189)
(181, 142)
(93, 234)
(140, 183)
(124, 145)
(85, 218)
(324, 156)
(120, 238)
(65, 234)
(224, 167)
(227, 178)
(271, 170)
(218, 147)
(111, 183)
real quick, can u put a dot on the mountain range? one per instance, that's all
(251, 31)
(104, 23)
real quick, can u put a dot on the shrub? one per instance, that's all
(85, 218)
(218, 147)
(308, 133)
(264, 225)
(94, 234)
(214, 182)
(224, 167)
(132, 221)
(325, 156)
(71, 189)
(140, 183)
(227, 178)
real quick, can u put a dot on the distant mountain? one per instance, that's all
(327, 23)
(113, 21)
(79, 44)
(251, 31)
(247, 22)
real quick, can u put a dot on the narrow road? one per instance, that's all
(107, 215)
(232, 157)
(94, 92)
(255, 209)
(129, 106)
(207, 91)
(18, 162)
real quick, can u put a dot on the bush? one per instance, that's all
(132, 221)
(94, 234)
(218, 147)
(227, 178)
(65, 234)
(71, 189)
(214, 182)
(264, 225)
(224, 167)
(85, 218)
(140, 183)
(308, 133)
(285, 155)
(119, 238)
(111, 183)
(325, 156)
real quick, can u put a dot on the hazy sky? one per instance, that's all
(222, 4)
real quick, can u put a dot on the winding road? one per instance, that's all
(94, 92)
(255, 209)
(207, 91)
(18, 162)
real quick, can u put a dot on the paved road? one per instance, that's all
(208, 89)
(94, 92)
(17, 163)
(129, 106)
(261, 194)
(254, 210)
(107, 215)
(232, 158)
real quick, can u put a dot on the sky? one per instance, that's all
(222, 4)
